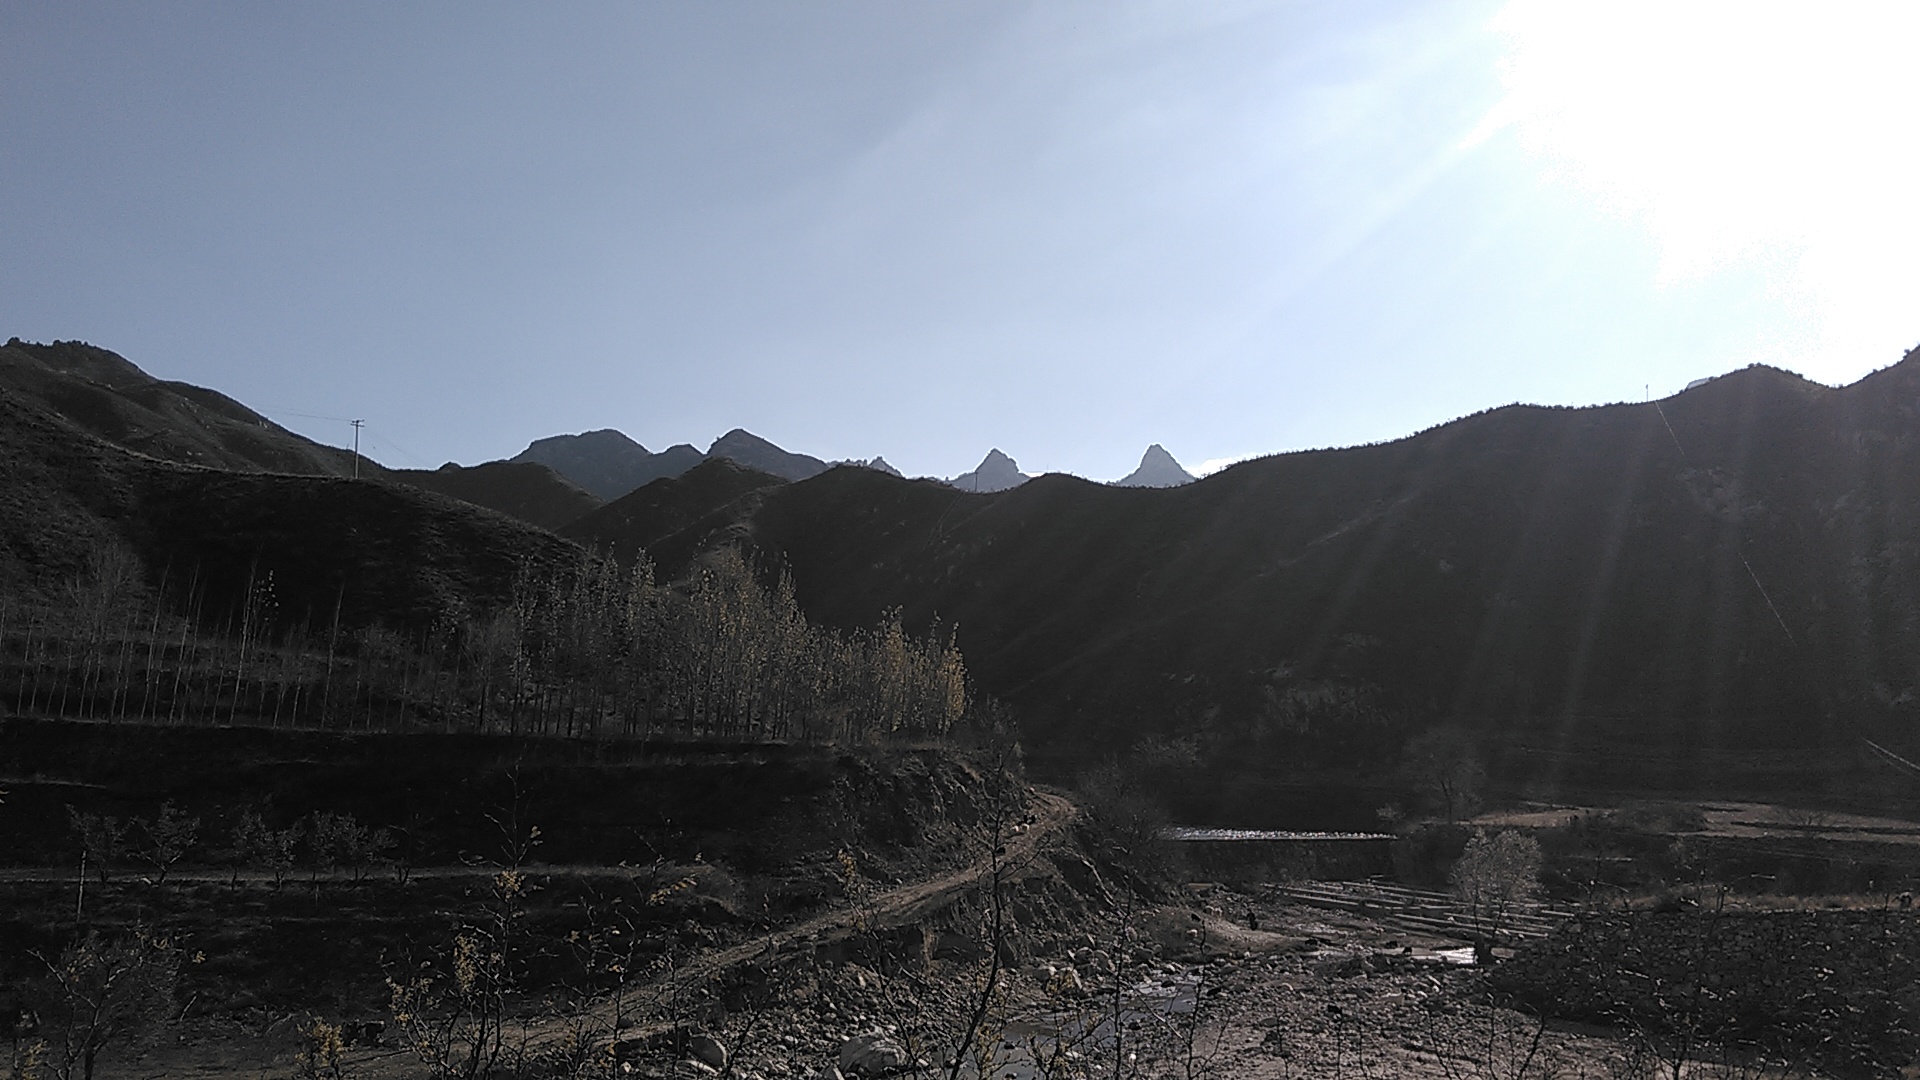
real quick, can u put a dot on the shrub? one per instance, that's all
(1129, 829)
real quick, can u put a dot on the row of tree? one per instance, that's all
(599, 650)
(324, 840)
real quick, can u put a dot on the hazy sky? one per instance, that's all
(920, 228)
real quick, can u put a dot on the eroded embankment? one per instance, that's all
(447, 797)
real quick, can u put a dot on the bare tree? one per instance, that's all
(170, 835)
(1443, 766)
(103, 839)
(106, 991)
(256, 844)
(1492, 876)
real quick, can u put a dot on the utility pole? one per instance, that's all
(356, 447)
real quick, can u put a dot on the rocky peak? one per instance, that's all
(1157, 469)
(996, 472)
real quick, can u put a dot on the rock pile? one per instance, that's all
(1839, 988)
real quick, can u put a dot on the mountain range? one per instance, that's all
(1731, 568)
(609, 464)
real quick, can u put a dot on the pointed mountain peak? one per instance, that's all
(997, 472)
(1157, 469)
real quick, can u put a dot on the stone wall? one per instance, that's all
(1261, 861)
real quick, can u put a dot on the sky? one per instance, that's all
(923, 229)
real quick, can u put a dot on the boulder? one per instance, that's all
(708, 1050)
(633, 1043)
(872, 1054)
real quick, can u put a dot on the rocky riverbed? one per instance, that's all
(1196, 991)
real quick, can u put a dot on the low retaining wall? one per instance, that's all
(1267, 856)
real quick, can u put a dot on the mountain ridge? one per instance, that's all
(1734, 564)
(611, 465)
(1521, 564)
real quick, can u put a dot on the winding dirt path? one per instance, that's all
(898, 906)
(902, 905)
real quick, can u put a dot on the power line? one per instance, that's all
(1742, 555)
(1769, 600)
(373, 434)
(1670, 434)
(305, 416)
(383, 439)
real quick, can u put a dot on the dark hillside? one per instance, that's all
(106, 396)
(675, 518)
(1737, 564)
(376, 551)
(103, 394)
(526, 490)
(380, 551)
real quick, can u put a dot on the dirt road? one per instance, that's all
(1051, 815)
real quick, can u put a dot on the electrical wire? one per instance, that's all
(1777, 617)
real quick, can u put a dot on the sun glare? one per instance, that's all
(1774, 135)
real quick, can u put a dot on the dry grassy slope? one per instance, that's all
(107, 396)
(377, 550)
(1521, 563)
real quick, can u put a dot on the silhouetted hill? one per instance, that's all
(674, 518)
(527, 490)
(606, 462)
(1157, 469)
(610, 465)
(371, 550)
(1537, 569)
(746, 448)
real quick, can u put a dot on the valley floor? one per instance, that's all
(1312, 994)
